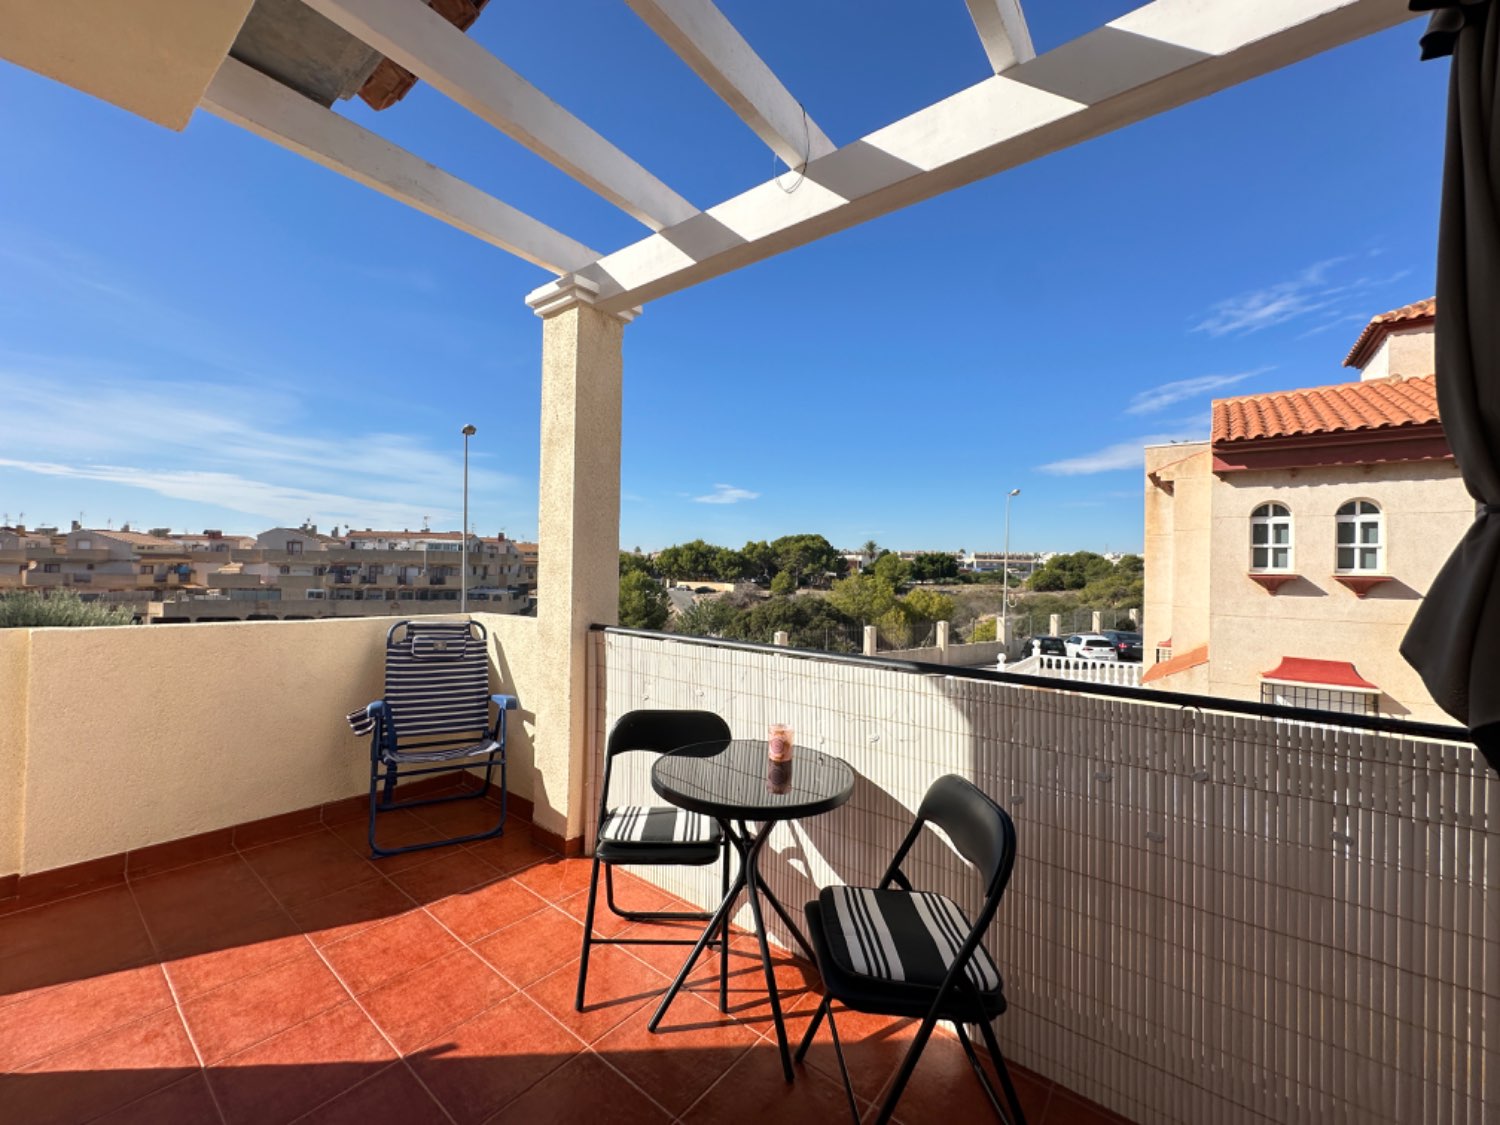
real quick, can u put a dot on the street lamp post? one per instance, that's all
(463, 575)
(1004, 637)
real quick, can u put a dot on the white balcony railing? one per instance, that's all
(1118, 672)
(1215, 916)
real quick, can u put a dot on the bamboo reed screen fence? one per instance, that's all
(1214, 918)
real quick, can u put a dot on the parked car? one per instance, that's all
(1090, 646)
(1127, 644)
(1047, 646)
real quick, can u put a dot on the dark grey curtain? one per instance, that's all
(1454, 640)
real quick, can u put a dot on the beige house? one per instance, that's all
(1286, 555)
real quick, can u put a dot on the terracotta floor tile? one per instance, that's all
(585, 1088)
(555, 879)
(669, 959)
(684, 1057)
(797, 982)
(944, 1084)
(460, 818)
(103, 1074)
(514, 850)
(532, 948)
(393, 1096)
(52, 1019)
(309, 867)
(242, 1013)
(289, 1074)
(389, 950)
(68, 940)
(345, 913)
(448, 871)
(480, 1066)
(486, 908)
(874, 1047)
(618, 985)
(184, 909)
(242, 951)
(186, 1101)
(630, 894)
(754, 1089)
(396, 829)
(414, 1008)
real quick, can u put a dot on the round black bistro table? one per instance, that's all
(735, 783)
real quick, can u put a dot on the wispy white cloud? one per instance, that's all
(1112, 458)
(248, 449)
(1324, 291)
(1168, 394)
(727, 494)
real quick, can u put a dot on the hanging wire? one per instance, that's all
(806, 155)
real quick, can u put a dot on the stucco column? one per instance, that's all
(578, 536)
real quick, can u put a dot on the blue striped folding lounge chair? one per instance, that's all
(434, 718)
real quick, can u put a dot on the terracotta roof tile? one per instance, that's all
(1414, 315)
(1377, 404)
(1190, 659)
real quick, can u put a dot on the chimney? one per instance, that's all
(77, 526)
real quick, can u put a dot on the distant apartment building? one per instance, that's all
(1286, 555)
(284, 573)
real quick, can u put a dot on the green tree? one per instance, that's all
(711, 617)
(759, 560)
(643, 602)
(783, 584)
(928, 605)
(729, 565)
(25, 609)
(687, 560)
(812, 622)
(631, 563)
(934, 566)
(870, 550)
(1071, 572)
(893, 570)
(807, 557)
(862, 597)
(986, 630)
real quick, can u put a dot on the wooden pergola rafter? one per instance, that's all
(1157, 57)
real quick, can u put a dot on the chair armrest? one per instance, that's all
(503, 703)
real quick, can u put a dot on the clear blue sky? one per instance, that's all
(201, 330)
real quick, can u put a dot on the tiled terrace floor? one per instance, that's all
(299, 981)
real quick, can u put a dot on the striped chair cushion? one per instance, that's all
(909, 936)
(437, 681)
(661, 824)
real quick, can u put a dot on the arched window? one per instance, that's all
(1361, 538)
(1271, 538)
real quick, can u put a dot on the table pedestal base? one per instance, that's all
(749, 846)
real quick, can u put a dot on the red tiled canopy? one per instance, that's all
(1323, 673)
(1190, 659)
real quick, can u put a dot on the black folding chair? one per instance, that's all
(656, 834)
(896, 951)
(435, 718)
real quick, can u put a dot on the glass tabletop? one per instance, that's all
(735, 779)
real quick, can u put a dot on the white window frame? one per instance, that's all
(1357, 519)
(1270, 520)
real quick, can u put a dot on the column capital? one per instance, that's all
(568, 292)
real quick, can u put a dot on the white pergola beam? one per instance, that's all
(704, 39)
(265, 107)
(410, 33)
(1002, 29)
(1153, 59)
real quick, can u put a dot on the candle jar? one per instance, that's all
(779, 743)
(779, 776)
